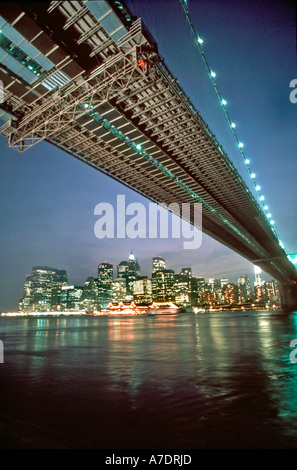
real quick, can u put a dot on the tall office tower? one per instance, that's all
(163, 285)
(230, 293)
(119, 289)
(133, 266)
(258, 284)
(89, 295)
(224, 283)
(60, 280)
(244, 289)
(142, 290)
(42, 289)
(72, 298)
(158, 264)
(275, 287)
(122, 269)
(186, 288)
(105, 278)
(216, 290)
(134, 273)
(258, 277)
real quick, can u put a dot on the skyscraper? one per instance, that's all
(258, 277)
(244, 289)
(134, 273)
(158, 264)
(142, 290)
(105, 279)
(42, 289)
(163, 285)
(230, 293)
(119, 289)
(122, 269)
(89, 298)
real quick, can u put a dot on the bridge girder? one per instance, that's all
(181, 158)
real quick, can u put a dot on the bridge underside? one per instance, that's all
(99, 90)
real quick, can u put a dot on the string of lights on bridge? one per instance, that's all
(212, 75)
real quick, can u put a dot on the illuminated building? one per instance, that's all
(89, 297)
(119, 289)
(142, 290)
(244, 289)
(71, 298)
(186, 288)
(134, 273)
(216, 290)
(105, 279)
(158, 264)
(42, 289)
(258, 278)
(230, 293)
(163, 285)
(258, 284)
(224, 283)
(271, 292)
(122, 269)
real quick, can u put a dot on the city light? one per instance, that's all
(163, 292)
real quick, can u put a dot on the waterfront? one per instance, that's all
(187, 381)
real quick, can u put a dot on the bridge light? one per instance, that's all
(262, 198)
(253, 175)
(272, 222)
(258, 188)
(200, 40)
(233, 124)
(247, 162)
(213, 74)
(266, 208)
(269, 215)
(138, 146)
(224, 102)
(141, 63)
(240, 145)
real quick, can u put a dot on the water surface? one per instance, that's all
(187, 381)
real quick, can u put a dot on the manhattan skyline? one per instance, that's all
(48, 198)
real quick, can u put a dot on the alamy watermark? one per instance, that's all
(1, 352)
(293, 94)
(113, 222)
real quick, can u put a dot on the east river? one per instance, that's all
(220, 380)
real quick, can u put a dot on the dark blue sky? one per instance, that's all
(48, 197)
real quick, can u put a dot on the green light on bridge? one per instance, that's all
(18, 54)
(293, 258)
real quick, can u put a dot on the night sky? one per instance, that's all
(48, 197)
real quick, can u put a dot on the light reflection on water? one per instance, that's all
(219, 380)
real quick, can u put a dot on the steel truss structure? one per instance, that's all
(126, 116)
